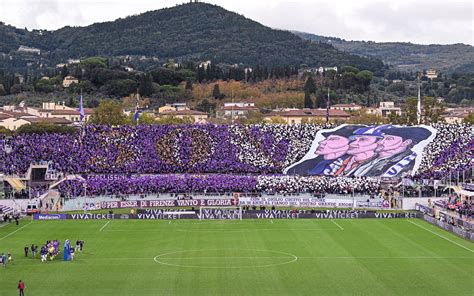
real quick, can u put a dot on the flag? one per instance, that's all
(418, 107)
(81, 110)
(137, 113)
(327, 109)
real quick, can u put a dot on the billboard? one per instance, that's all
(387, 151)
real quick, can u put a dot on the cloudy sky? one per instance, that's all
(418, 21)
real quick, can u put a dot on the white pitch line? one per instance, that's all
(105, 225)
(445, 238)
(337, 224)
(11, 233)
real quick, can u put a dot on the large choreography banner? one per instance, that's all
(365, 151)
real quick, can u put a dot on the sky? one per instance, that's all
(417, 21)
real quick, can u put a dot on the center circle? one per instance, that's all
(225, 258)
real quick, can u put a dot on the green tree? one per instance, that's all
(64, 72)
(254, 117)
(216, 92)
(308, 102)
(45, 128)
(170, 120)
(469, 119)
(5, 131)
(109, 113)
(206, 106)
(144, 118)
(277, 120)
(410, 109)
(350, 69)
(432, 110)
(310, 85)
(364, 78)
(120, 88)
(363, 117)
(145, 87)
(2, 90)
(189, 84)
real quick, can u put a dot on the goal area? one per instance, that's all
(220, 213)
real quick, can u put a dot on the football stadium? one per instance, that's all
(264, 209)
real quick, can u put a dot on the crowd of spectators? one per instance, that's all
(216, 184)
(205, 158)
(196, 149)
(451, 151)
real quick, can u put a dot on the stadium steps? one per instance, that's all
(15, 183)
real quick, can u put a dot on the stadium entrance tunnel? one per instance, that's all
(225, 258)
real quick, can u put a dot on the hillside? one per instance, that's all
(406, 56)
(195, 31)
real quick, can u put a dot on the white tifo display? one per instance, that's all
(220, 213)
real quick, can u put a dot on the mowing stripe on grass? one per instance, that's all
(451, 241)
(337, 224)
(11, 233)
(102, 228)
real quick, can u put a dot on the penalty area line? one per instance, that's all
(439, 235)
(105, 225)
(13, 232)
(340, 227)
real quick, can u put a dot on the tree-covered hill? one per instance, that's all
(406, 56)
(195, 31)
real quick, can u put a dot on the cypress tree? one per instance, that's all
(308, 102)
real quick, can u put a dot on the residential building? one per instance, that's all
(73, 61)
(205, 64)
(296, 116)
(456, 115)
(197, 116)
(237, 109)
(31, 50)
(346, 107)
(431, 74)
(387, 108)
(15, 122)
(325, 69)
(68, 80)
(173, 107)
(53, 110)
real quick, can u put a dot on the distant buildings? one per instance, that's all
(29, 50)
(456, 115)
(68, 80)
(173, 107)
(205, 65)
(13, 117)
(347, 107)
(197, 116)
(297, 116)
(315, 71)
(431, 74)
(387, 108)
(237, 109)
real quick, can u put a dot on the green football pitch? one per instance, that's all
(249, 257)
